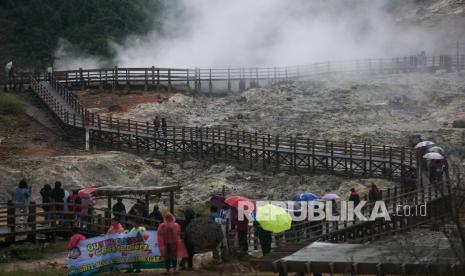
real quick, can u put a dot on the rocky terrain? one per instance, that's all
(383, 109)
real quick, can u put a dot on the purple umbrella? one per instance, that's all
(217, 201)
(330, 197)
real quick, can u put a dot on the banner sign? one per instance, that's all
(116, 251)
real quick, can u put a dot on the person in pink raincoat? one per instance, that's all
(169, 242)
(86, 202)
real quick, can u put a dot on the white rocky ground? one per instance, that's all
(199, 180)
(379, 108)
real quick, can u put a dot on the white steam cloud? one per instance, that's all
(225, 33)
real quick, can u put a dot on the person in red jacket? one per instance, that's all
(115, 226)
(169, 242)
(75, 239)
(242, 227)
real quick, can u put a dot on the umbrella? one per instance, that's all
(273, 218)
(424, 144)
(8, 66)
(305, 197)
(330, 197)
(436, 149)
(86, 191)
(217, 201)
(433, 155)
(234, 201)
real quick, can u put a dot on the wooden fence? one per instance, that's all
(235, 79)
(253, 149)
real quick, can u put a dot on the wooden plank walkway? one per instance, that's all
(256, 150)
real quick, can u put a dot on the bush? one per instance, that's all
(10, 105)
(24, 251)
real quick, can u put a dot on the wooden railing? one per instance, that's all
(293, 152)
(237, 79)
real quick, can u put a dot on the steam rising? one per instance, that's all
(224, 33)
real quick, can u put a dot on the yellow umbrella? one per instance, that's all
(273, 218)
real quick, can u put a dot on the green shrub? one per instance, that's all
(10, 105)
(24, 251)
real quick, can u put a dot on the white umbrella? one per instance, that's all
(8, 67)
(424, 144)
(436, 149)
(433, 155)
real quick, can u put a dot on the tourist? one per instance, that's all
(217, 250)
(242, 228)
(115, 227)
(225, 215)
(189, 215)
(156, 215)
(58, 197)
(354, 197)
(119, 210)
(71, 205)
(72, 200)
(75, 239)
(264, 238)
(156, 124)
(163, 126)
(20, 196)
(138, 212)
(87, 202)
(46, 194)
(170, 243)
(374, 194)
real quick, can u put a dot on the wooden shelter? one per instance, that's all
(145, 192)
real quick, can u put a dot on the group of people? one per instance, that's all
(160, 124)
(72, 208)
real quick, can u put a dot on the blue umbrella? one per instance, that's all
(305, 197)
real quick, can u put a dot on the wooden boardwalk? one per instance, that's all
(252, 149)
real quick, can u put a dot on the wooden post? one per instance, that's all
(147, 202)
(277, 152)
(31, 221)
(109, 202)
(11, 220)
(172, 202)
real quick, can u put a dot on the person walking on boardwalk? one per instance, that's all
(163, 126)
(264, 237)
(20, 197)
(58, 197)
(46, 194)
(189, 215)
(374, 194)
(170, 243)
(354, 197)
(119, 210)
(156, 215)
(156, 124)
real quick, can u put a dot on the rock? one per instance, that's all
(115, 108)
(289, 99)
(458, 124)
(190, 164)
(40, 137)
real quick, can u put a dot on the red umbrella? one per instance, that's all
(86, 191)
(234, 201)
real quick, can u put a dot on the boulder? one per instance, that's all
(458, 124)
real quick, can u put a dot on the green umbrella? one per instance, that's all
(273, 218)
